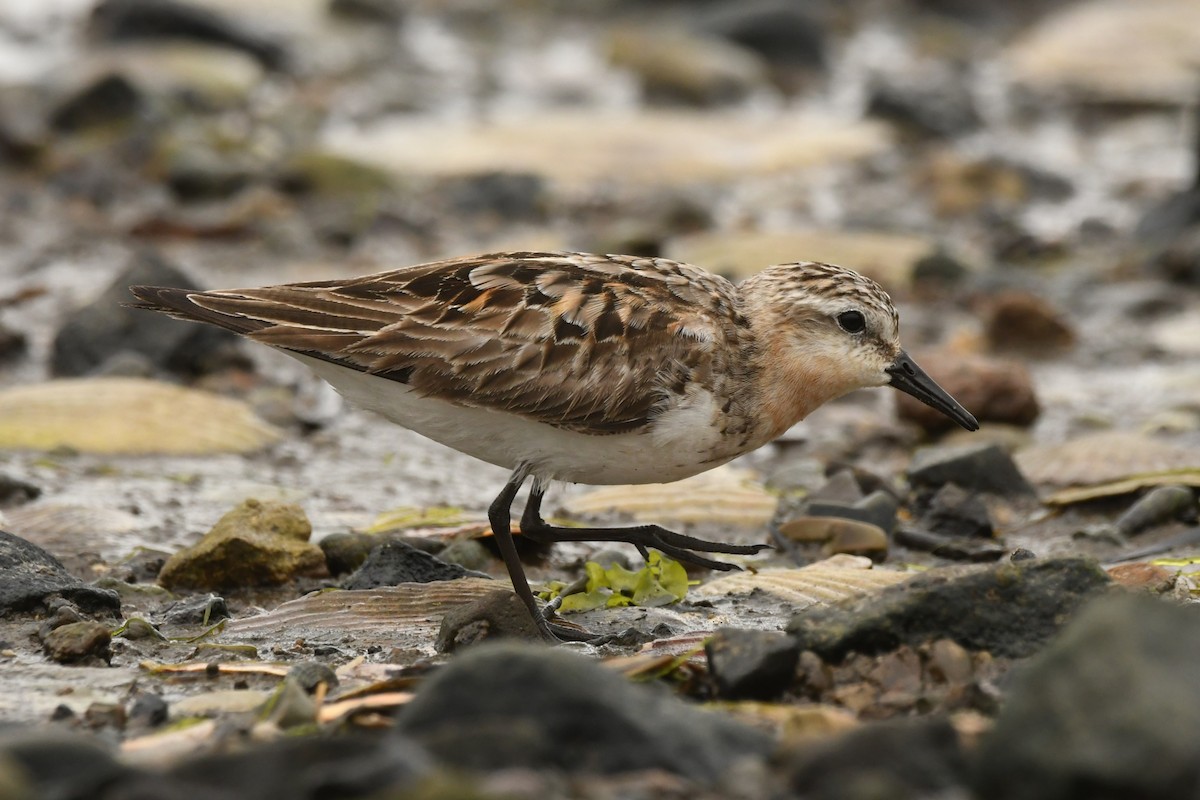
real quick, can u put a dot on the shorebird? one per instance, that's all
(598, 369)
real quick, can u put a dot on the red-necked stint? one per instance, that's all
(599, 369)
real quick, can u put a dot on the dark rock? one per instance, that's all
(1179, 260)
(109, 100)
(97, 332)
(346, 552)
(1021, 554)
(148, 710)
(956, 512)
(380, 12)
(980, 467)
(756, 665)
(938, 271)
(1158, 506)
(310, 674)
(13, 345)
(198, 174)
(256, 544)
(132, 20)
(399, 562)
(1009, 609)
(99, 716)
(1021, 321)
(779, 31)
(32, 577)
(1110, 710)
(908, 758)
(499, 615)
(62, 766)
(14, 491)
(78, 641)
(842, 487)
(509, 706)
(502, 196)
(935, 105)
(199, 609)
(955, 548)
(993, 390)
(878, 508)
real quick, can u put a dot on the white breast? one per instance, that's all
(682, 442)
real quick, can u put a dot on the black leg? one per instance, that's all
(500, 517)
(675, 545)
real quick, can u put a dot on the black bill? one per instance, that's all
(911, 379)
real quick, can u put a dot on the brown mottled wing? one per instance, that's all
(585, 342)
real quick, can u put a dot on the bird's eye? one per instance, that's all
(852, 321)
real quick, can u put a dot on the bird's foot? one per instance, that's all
(676, 545)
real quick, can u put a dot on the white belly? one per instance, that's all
(679, 444)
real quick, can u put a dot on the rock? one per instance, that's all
(498, 196)
(101, 330)
(1152, 578)
(878, 509)
(1009, 609)
(396, 562)
(147, 711)
(838, 534)
(110, 99)
(200, 174)
(782, 33)
(256, 544)
(389, 13)
(346, 552)
(956, 512)
(755, 665)
(78, 641)
(510, 706)
(13, 344)
(1110, 709)
(980, 467)
(1022, 321)
(499, 615)
(14, 491)
(908, 758)
(935, 103)
(680, 68)
(470, 554)
(955, 548)
(1179, 260)
(56, 764)
(993, 390)
(1158, 506)
(198, 609)
(308, 675)
(131, 20)
(842, 487)
(32, 576)
(938, 272)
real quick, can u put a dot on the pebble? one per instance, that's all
(77, 642)
(32, 576)
(15, 492)
(879, 508)
(1011, 609)
(147, 710)
(197, 609)
(994, 390)
(1152, 578)
(397, 562)
(955, 512)
(111, 99)
(498, 615)
(258, 543)
(788, 37)
(982, 467)
(678, 68)
(955, 548)
(1158, 506)
(754, 665)
(1024, 322)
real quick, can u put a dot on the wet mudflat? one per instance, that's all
(219, 581)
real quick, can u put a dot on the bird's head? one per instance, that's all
(827, 331)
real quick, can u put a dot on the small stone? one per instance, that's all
(681, 68)
(786, 35)
(1021, 554)
(310, 674)
(955, 548)
(907, 758)
(1024, 322)
(878, 508)
(498, 615)
(935, 103)
(132, 20)
(78, 641)
(991, 389)
(949, 662)
(955, 512)
(842, 487)
(756, 665)
(1008, 609)
(396, 562)
(13, 344)
(108, 100)
(1148, 577)
(148, 710)
(98, 716)
(468, 553)
(14, 491)
(98, 332)
(346, 552)
(197, 610)
(256, 544)
(1160, 505)
(980, 467)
